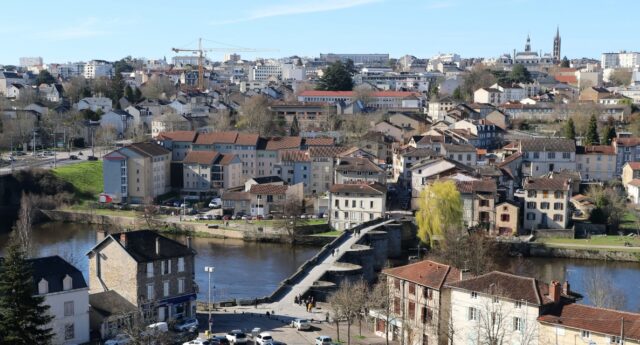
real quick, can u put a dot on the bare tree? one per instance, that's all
(255, 116)
(158, 87)
(292, 209)
(380, 301)
(600, 290)
(76, 88)
(347, 303)
(149, 212)
(220, 120)
(23, 228)
(135, 326)
(497, 323)
(621, 77)
(471, 252)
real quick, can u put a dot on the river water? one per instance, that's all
(248, 270)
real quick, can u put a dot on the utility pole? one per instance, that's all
(34, 143)
(54, 150)
(11, 156)
(209, 270)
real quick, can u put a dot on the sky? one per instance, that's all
(73, 30)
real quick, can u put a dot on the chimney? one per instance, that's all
(566, 288)
(188, 241)
(157, 245)
(123, 239)
(554, 291)
(100, 235)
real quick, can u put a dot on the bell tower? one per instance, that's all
(556, 46)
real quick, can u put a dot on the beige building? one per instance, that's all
(207, 173)
(323, 162)
(630, 171)
(355, 169)
(507, 221)
(353, 204)
(415, 292)
(144, 271)
(597, 162)
(478, 203)
(546, 203)
(582, 324)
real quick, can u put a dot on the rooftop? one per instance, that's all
(53, 269)
(141, 245)
(505, 285)
(546, 183)
(361, 188)
(201, 157)
(188, 136)
(426, 273)
(268, 189)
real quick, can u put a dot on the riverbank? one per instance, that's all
(249, 231)
(575, 251)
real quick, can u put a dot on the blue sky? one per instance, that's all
(71, 30)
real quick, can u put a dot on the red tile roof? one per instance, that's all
(247, 139)
(635, 182)
(188, 136)
(598, 320)
(319, 141)
(506, 285)
(281, 143)
(633, 141)
(318, 93)
(510, 159)
(569, 79)
(201, 157)
(364, 188)
(596, 149)
(268, 189)
(546, 183)
(236, 196)
(326, 151)
(633, 165)
(426, 273)
(294, 156)
(226, 159)
(217, 138)
(467, 187)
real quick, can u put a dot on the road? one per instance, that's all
(29, 161)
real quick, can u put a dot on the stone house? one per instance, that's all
(596, 162)
(353, 204)
(546, 203)
(149, 272)
(478, 203)
(507, 218)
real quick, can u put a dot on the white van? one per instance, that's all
(158, 327)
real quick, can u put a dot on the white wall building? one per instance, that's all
(264, 72)
(98, 68)
(353, 204)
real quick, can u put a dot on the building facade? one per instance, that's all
(546, 203)
(353, 204)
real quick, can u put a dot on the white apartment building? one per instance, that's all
(623, 59)
(264, 72)
(31, 61)
(377, 99)
(596, 162)
(546, 203)
(353, 204)
(292, 72)
(438, 109)
(543, 155)
(67, 295)
(497, 308)
(98, 68)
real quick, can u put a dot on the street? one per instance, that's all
(61, 158)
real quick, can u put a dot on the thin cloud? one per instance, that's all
(299, 7)
(85, 29)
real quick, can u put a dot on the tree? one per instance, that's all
(294, 131)
(44, 77)
(158, 87)
(380, 300)
(149, 212)
(600, 290)
(610, 206)
(23, 314)
(621, 77)
(565, 63)
(351, 67)
(439, 208)
(347, 303)
(520, 74)
(457, 94)
(128, 93)
(255, 116)
(292, 209)
(137, 94)
(570, 129)
(473, 252)
(608, 134)
(592, 137)
(477, 78)
(336, 78)
(24, 224)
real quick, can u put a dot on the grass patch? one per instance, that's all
(86, 178)
(334, 233)
(83, 207)
(595, 240)
(629, 222)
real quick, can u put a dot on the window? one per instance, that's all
(496, 300)
(566, 155)
(473, 314)
(396, 306)
(536, 155)
(68, 308)
(181, 285)
(532, 194)
(531, 205)
(337, 203)
(180, 264)
(558, 195)
(504, 217)
(474, 295)
(531, 216)
(518, 305)
(353, 203)
(558, 206)
(370, 204)
(615, 339)
(428, 293)
(518, 324)
(43, 287)
(484, 203)
(412, 310)
(551, 155)
(69, 331)
(586, 334)
(149, 269)
(396, 283)
(150, 294)
(412, 288)
(544, 205)
(557, 217)
(165, 288)
(346, 203)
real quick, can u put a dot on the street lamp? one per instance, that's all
(209, 269)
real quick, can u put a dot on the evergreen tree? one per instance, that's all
(137, 95)
(128, 93)
(294, 131)
(457, 93)
(565, 62)
(570, 130)
(117, 88)
(592, 137)
(520, 74)
(608, 134)
(336, 78)
(23, 316)
(44, 77)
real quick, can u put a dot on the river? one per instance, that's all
(248, 270)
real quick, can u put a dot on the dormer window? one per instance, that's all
(67, 283)
(43, 287)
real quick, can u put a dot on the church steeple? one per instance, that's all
(556, 46)
(527, 47)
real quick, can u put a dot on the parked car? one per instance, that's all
(259, 217)
(301, 324)
(219, 340)
(186, 324)
(197, 341)
(209, 217)
(217, 217)
(201, 217)
(268, 217)
(264, 338)
(324, 340)
(158, 327)
(215, 203)
(73, 157)
(237, 337)
(226, 217)
(92, 158)
(120, 339)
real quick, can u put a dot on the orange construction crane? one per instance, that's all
(201, 53)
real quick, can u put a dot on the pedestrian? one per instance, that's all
(333, 252)
(255, 302)
(295, 299)
(268, 315)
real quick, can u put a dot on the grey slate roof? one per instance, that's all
(141, 245)
(53, 269)
(548, 144)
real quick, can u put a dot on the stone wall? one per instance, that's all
(557, 233)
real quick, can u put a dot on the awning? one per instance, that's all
(177, 300)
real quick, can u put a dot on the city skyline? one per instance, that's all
(307, 28)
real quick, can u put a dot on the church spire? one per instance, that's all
(527, 47)
(556, 46)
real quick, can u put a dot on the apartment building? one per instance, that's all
(265, 72)
(244, 145)
(356, 203)
(499, 307)
(405, 158)
(479, 199)
(323, 162)
(356, 169)
(437, 109)
(543, 155)
(309, 116)
(627, 150)
(209, 173)
(98, 68)
(547, 203)
(596, 163)
(67, 295)
(377, 99)
(465, 154)
(416, 296)
(137, 172)
(178, 142)
(144, 270)
(294, 167)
